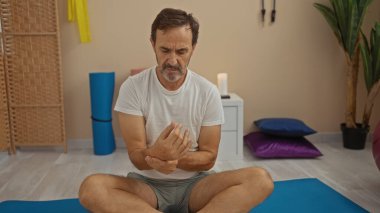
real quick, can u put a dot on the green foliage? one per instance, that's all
(345, 19)
(370, 52)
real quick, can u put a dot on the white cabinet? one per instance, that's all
(231, 144)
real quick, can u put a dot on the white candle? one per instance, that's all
(222, 83)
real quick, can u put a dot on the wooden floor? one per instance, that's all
(50, 174)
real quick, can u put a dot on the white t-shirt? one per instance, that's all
(196, 103)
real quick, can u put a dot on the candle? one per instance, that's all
(222, 83)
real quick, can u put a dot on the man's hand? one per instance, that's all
(165, 167)
(171, 144)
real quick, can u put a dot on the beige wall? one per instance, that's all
(293, 68)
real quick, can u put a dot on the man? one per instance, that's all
(170, 119)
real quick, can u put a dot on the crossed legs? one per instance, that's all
(110, 193)
(229, 191)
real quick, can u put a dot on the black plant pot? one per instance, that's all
(354, 138)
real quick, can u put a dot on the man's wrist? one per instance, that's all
(151, 151)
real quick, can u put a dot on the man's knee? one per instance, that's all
(257, 175)
(91, 189)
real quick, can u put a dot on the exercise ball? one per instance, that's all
(376, 145)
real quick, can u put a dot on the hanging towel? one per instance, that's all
(77, 11)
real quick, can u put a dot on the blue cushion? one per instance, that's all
(284, 127)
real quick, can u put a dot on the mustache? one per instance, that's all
(176, 67)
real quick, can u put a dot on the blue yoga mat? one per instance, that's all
(292, 196)
(51, 206)
(101, 89)
(306, 195)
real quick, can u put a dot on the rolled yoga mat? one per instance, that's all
(102, 86)
(103, 137)
(101, 90)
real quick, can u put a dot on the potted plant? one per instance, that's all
(346, 18)
(370, 54)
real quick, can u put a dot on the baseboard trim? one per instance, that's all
(332, 136)
(318, 137)
(74, 144)
(88, 143)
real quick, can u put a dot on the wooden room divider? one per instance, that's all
(4, 117)
(31, 91)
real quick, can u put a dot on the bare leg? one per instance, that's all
(231, 191)
(109, 193)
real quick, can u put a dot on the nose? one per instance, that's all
(172, 59)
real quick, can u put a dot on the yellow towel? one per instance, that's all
(77, 11)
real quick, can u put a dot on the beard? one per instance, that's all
(172, 73)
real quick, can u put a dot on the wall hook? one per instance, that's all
(273, 15)
(262, 11)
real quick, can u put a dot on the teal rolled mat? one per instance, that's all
(102, 86)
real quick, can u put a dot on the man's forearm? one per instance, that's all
(137, 157)
(197, 161)
(143, 160)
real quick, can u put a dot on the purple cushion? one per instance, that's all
(270, 146)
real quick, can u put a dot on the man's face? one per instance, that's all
(173, 49)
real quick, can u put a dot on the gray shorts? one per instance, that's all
(172, 195)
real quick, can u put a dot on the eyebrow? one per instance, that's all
(180, 49)
(164, 48)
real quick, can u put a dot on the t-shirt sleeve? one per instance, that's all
(214, 110)
(128, 101)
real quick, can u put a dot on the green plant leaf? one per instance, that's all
(362, 8)
(365, 40)
(329, 15)
(340, 12)
(349, 15)
(352, 26)
(370, 52)
(366, 58)
(375, 51)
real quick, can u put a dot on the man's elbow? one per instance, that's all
(138, 166)
(211, 162)
(209, 166)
